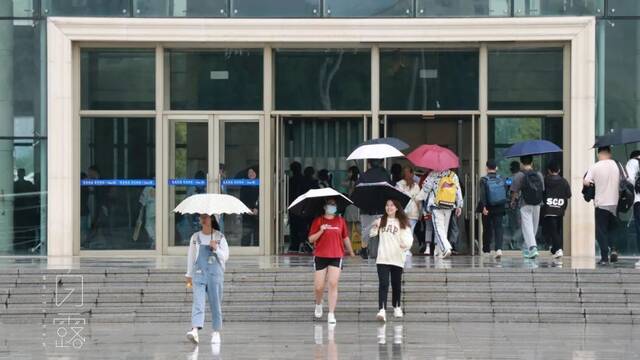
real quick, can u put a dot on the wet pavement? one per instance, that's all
(395, 340)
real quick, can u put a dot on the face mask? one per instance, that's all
(330, 209)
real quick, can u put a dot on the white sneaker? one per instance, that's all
(215, 338)
(638, 264)
(427, 251)
(193, 336)
(446, 254)
(498, 254)
(382, 315)
(331, 318)
(397, 312)
(318, 312)
(558, 254)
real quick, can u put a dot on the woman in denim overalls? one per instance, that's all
(208, 252)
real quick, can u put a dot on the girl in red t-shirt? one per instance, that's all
(329, 236)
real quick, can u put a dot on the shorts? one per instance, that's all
(321, 263)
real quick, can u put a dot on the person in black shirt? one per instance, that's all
(557, 193)
(375, 174)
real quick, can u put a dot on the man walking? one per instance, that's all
(557, 193)
(375, 174)
(605, 176)
(633, 176)
(526, 194)
(493, 198)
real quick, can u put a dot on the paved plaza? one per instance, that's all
(345, 341)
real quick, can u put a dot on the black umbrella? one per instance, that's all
(371, 198)
(618, 137)
(395, 142)
(310, 203)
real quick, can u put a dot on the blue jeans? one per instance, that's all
(207, 283)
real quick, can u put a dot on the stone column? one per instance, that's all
(6, 128)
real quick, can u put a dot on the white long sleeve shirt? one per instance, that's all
(414, 207)
(393, 241)
(198, 239)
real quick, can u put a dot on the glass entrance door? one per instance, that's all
(190, 171)
(214, 154)
(457, 134)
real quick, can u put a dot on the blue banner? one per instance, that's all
(241, 182)
(187, 182)
(117, 182)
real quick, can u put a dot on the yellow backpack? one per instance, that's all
(446, 192)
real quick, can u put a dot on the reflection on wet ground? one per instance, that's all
(395, 340)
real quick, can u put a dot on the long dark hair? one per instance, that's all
(214, 223)
(402, 217)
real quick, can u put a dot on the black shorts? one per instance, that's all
(321, 263)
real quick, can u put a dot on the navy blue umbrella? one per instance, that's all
(395, 142)
(618, 137)
(531, 147)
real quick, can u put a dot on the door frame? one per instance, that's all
(281, 184)
(471, 190)
(215, 135)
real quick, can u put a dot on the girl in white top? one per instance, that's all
(395, 236)
(409, 186)
(208, 254)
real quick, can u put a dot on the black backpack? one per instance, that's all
(532, 188)
(626, 195)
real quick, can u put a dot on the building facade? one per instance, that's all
(113, 111)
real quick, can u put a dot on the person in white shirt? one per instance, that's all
(409, 186)
(633, 172)
(394, 232)
(208, 254)
(605, 176)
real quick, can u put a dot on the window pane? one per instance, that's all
(118, 79)
(180, 8)
(444, 8)
(368, 8)
(412, 79)
(23, 147)
(86, 8)
(525, 79)
(275, 8)
(18, 8)
(216, 80)
(558, 7)
(623, 8)
(323, 80)
(117, 149)
(618, 99)
(241, 178)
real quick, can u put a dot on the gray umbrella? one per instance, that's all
(395, 142)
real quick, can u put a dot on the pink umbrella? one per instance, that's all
(434, 157)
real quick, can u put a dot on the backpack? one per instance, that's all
(532, 188)
(626, 194)
(446, 192)
(495, 190)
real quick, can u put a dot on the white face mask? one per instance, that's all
(330, 209)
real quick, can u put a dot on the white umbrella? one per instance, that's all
(309, 203)
(375, 151)
(212, 204)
